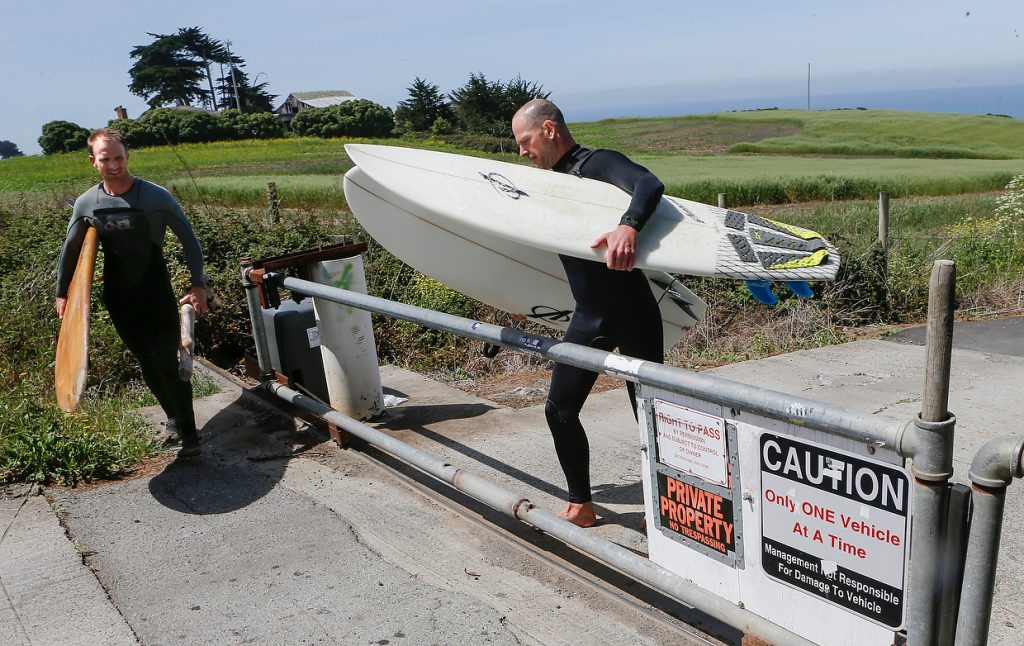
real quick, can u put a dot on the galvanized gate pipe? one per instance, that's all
(519, 507)
(259, 332)
(870, 429)
(931, 447)
(993, 469)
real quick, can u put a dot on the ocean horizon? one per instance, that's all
(1001, 100)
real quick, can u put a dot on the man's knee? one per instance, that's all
(558, 417)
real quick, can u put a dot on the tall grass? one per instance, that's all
(300, 155)
(293, 191)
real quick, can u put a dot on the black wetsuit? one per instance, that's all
(136, 287)
(614, 309)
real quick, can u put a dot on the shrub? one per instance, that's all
(356, 118)
(441, 126)
(62, 137)
(1011, 203)
(173, 126)
(251, 125)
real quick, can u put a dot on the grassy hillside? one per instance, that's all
(831, 158)
(881, 133)
(760, 157)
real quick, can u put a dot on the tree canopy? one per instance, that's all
(486, 107)
(253, 97)
(176, 70)
(9, 149)
(425, 105)
(63, 137)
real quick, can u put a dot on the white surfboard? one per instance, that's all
(564, 214)
(504, 274)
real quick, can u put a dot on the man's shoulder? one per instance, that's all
(156, 194)
(90, 193)
(607, 154)
(152, 187)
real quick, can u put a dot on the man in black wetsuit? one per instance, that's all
(615, 307)
(131, 217)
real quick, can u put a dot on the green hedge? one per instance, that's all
(175, 126)
(355, 118)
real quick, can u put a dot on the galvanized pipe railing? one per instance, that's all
(927, 439)
(259, 333)
(869, 429)
(931, 446)
(993, 469)
(519, 507)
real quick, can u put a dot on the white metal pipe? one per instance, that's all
(259, 332)
(993, 469)
(808, 413)
(519, 507)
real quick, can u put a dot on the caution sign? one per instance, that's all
(697, 514)
(835, 525)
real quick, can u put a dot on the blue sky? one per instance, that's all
(71, 62)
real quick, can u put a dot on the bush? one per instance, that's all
(174, 126)
(441, 126)
(356, 118)
(251, 125)
(63, 137)
(1011, 203)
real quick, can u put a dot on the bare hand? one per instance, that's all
(60, 304)
(197, 297)
(621, 247)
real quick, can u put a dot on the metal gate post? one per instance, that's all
(259, 333)
(992, 471)
(932, 452)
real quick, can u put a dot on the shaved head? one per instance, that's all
(540, 132)
(534, 113)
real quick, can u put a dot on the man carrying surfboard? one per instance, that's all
(615, 307)
(131, 217)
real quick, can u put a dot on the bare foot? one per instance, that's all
(581, 514)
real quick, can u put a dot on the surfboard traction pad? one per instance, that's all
(769, 250)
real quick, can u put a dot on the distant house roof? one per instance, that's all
(299, 100)
(325, 94)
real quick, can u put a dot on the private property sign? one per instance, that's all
(697, 514)
(835, 526)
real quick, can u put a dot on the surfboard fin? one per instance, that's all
(762, 291)
(800, 288)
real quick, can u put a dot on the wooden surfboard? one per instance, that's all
(73, 343)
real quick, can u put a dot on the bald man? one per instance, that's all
(615, 307)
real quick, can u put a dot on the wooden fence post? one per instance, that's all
(275, 203)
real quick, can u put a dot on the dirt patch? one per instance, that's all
(145, 469)
(523, 388)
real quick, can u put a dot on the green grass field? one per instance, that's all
(881, 133)
(758, 157)
(820, 170)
